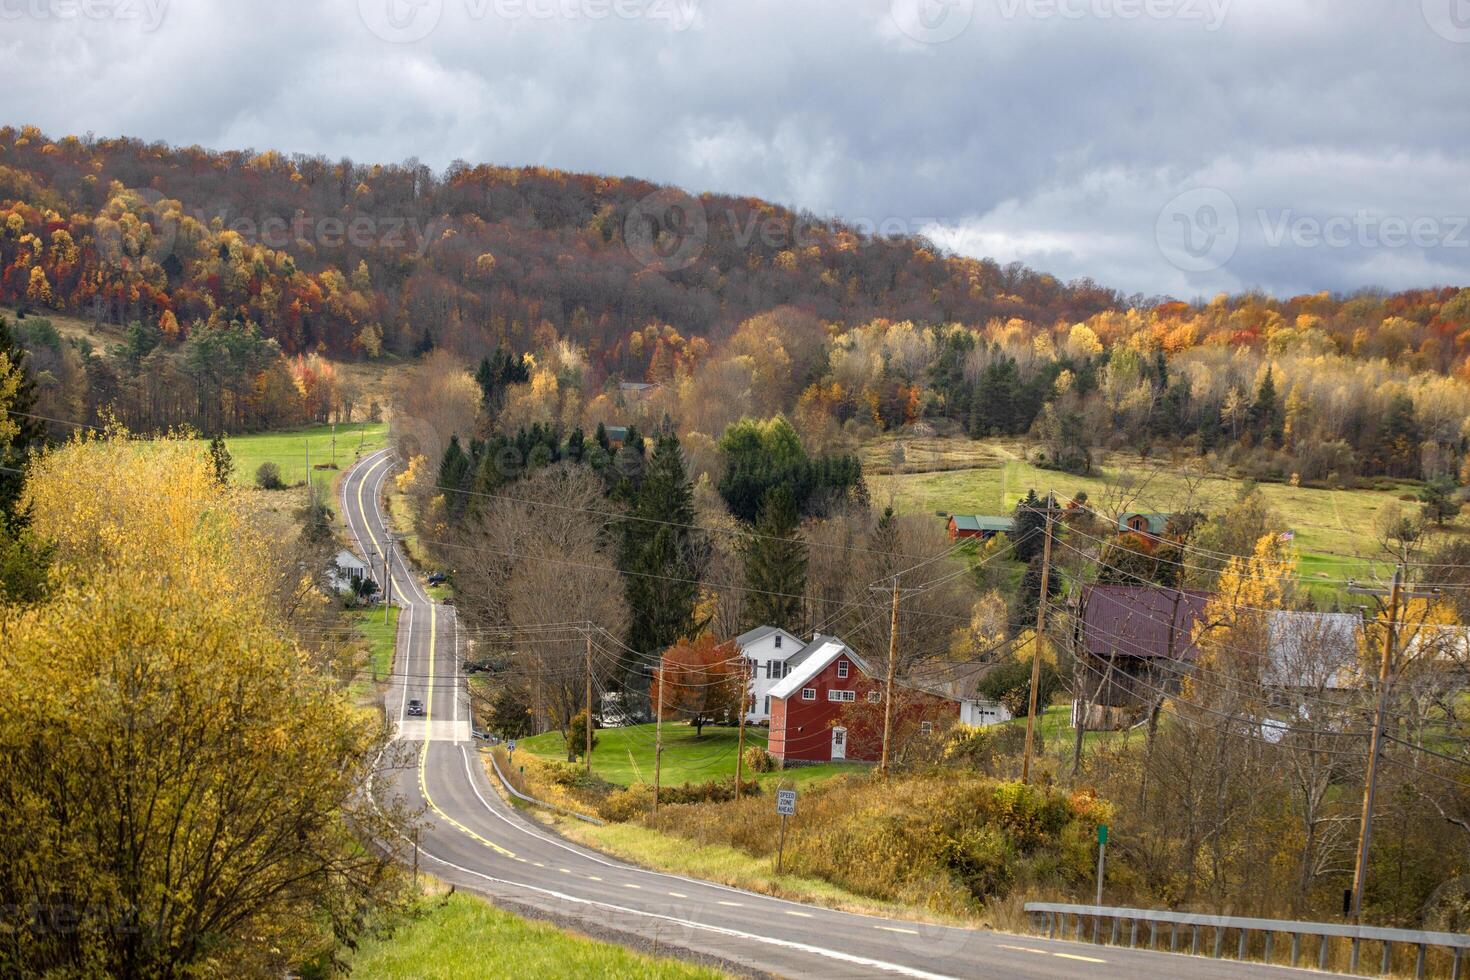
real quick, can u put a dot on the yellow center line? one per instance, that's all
(593, 878)
(1023, 949)
(1084, 959)
(804, 915)
(424, 752)
(735, 905)
(630, 885)
(678, 895)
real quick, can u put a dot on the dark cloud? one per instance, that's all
(1055, 132)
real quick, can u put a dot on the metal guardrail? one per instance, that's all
(1053, 920)
(535, 802)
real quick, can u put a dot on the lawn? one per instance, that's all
(462, 936)
(625, 755)
(288, 450)
(1331, 526)
(381, 639)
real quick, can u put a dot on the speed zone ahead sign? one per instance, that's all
(786, 802)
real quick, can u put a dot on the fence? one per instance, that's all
(1052, 919)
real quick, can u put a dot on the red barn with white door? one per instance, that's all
(812, 716)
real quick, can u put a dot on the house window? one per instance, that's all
(808, 694)
(875, 697)
(771, 669)
(926, 728)
(785, 669)
(768, 705)
(842, 669)
(778, 641)
(841, 696)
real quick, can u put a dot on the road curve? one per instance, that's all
(474, 840)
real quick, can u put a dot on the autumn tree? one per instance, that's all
(699, 680)
(155, 702)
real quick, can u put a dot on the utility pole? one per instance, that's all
(658, 736)
(310, 490)
(587, 631)
(1396, 595)
(740, 742)
(387, 582)
(897, 594)
(334, 445)
(1036, 646)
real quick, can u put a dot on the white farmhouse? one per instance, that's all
(768, 651)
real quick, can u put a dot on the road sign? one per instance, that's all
(786, 802)
(1102, 833)
(511, 745)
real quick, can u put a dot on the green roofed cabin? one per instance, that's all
(984, 528)
(1139, 523)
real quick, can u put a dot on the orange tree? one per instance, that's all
(700, 679)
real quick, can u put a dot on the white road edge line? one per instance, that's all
(831, 954)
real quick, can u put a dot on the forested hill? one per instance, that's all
(352, 259)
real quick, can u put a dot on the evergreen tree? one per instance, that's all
(1265, 417)
(20, 430)
(455, 472)
(1028, 533)
(662, 555)
(775, 565)
(1023, 606)
(219, 456)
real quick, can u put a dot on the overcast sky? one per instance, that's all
(1160, 146)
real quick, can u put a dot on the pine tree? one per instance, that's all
(775, 565)
(1027, 533)
(662, 555)
(219, 456)
(20, 430)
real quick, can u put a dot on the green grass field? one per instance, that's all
(625, 755)
(462, 936)
(288, 450)
(1333, 527)
(381, 639)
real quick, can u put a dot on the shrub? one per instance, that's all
(627, 804)
(757, 759)
(268, 477)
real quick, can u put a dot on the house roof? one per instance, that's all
(617, 432)
(1145, 621)
(811, 660)
(1156, 522)
(1312, 649)
(760, 633)
(347, 560)
(968, 522)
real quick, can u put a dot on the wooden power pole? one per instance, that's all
(740, 741)
(892, 668)
(1036, 646)
(1396, 595)
(587, 631)
(658, 736)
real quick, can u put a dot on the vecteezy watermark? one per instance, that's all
(165, 228)
(1211, 13)
(1198, 230)
(1362, 230)
(932, 21)
(406, 21)
(667, 230)
(1450, 19)
(148, 14)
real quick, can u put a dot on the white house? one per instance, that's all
(978, 712)
(769, 651)
(347, 570)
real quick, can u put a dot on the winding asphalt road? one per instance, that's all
(474, 840)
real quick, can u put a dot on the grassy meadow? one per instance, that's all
(460, 935)
(625, 755)
(288, 450)
(1333, 528)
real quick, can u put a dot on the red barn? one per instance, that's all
(816, 714)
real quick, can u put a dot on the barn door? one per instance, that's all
(839, 743)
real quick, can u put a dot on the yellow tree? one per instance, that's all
(181, 786)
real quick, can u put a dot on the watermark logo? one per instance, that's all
(400, 21)
(1210, 13)
(147, 14)
(1198, 230)
(932, 21)
(667, 230)
(1362, 230)
(1450, 19)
